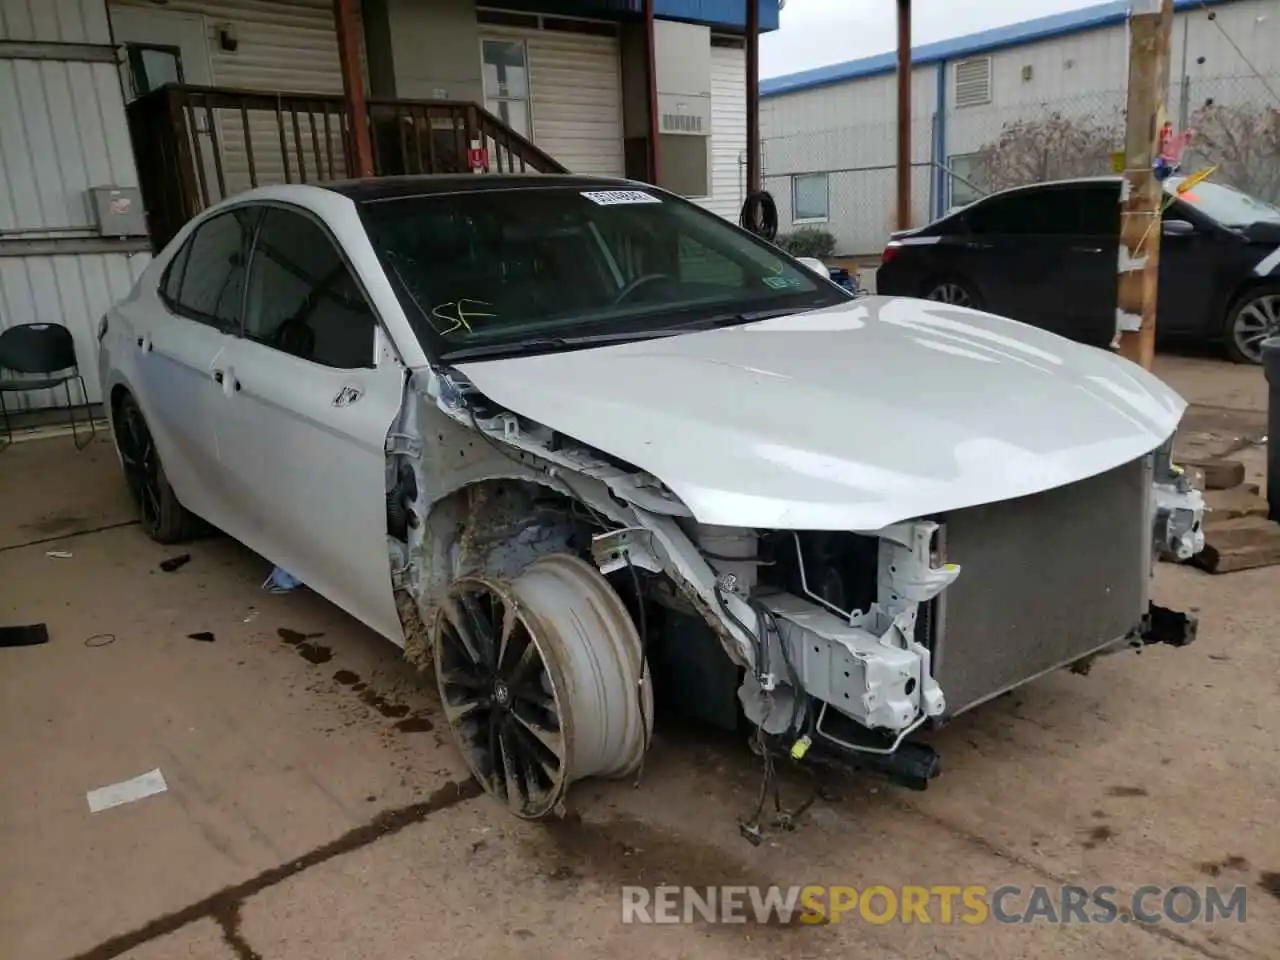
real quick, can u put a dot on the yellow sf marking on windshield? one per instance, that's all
(463, 317)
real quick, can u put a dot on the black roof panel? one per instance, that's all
(389, 188)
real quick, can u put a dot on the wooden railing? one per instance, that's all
(197, 145)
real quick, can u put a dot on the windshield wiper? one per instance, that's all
(543, 344)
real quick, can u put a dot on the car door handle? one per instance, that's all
(220, 378)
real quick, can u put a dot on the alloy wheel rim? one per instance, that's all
(1255, 322)
(538, 680)
(142, 467)
(499, 696)
(950, 293)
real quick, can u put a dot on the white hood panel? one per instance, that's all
(849, 418)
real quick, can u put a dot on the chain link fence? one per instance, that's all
(1235, 122)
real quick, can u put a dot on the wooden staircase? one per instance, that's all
(197, 145)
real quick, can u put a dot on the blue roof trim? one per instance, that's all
(717, 13)
(986, 41)
(728, 15)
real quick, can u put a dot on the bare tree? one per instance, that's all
(1245, 143)
(1055, 147)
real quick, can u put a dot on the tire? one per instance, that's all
(161, 516)
(954, 291)
(1254, 316)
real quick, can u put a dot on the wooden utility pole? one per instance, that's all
(346, 18)
(1141, 195)
(904, 114)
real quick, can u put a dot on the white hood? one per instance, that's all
(850, 418)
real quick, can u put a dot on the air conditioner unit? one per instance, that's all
(682, 61)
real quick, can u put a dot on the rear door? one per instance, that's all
(1017, 250)
(309, 393)
(1090, 219)
(200, 296)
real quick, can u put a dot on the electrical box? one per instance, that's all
(119, 211)
(682, 55)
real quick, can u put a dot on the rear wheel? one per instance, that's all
(163, 518)
(1253, 318)
(953, 291)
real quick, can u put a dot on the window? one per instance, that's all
(1224, 204)
(149, 67)
(973, 82)
(303, 299)
(506, 82)
(967, 170)
(210, 285)
(491, 270)
(701, 264)
(1056, 211)
(810, 197)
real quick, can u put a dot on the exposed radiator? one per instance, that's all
(1045, 580)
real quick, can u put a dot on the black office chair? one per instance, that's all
(44, 354)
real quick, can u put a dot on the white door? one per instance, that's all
(574, 93)
(162, 46)
(310, 392)
(185, 328)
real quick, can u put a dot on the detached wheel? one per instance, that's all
(957, 293)
(1253, 318)
(163, 518)
(543, 681)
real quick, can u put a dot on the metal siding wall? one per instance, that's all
(1087, 72)
(62, 130)
(575, 88)
(284, 45)
(850, 131)
(728, 131)
(54, 21)
(73, 290)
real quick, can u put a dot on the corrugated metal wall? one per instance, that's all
(283, 45)
(575, 93)
(62, 130)
(728, 131)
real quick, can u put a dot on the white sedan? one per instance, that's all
(544, 432)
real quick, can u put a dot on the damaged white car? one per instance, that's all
(576, 441)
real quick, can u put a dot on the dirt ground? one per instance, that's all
(316, 808)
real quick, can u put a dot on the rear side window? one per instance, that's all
(1088, 210)
(303, 299)
(206, 280)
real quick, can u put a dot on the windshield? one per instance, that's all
(496, 267)
(1225, 204)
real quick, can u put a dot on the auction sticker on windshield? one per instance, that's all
(608, 198)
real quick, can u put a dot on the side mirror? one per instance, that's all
(1177, 228)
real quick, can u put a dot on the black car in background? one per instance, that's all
(1047, 255)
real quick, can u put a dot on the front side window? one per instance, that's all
(302, 298)
(504, 266)
(810, 197)
(206, 280)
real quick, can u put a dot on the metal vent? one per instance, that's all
(973, 82)
(681, 123)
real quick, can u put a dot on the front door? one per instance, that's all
(311, 390)
(163, 46)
